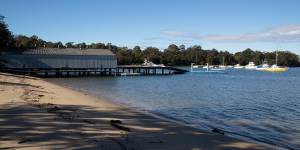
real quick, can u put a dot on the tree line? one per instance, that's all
(179, 55)
(173, 55)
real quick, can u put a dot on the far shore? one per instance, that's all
(36, 114)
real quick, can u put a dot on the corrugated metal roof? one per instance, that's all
(68, 51)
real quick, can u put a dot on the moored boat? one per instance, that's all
(251, 66)
(205, 69)
(148, 63)
(220, 67)
(263, 67)
(275, 68)
(238, 66)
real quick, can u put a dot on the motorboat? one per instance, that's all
(195, 66)
(207, 67)
(148, 63)
(263, 67)
(238, 66)
(219, 68)
(206, 70)
(251, 66)
(275, 68)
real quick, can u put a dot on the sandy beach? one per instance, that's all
(35, 114)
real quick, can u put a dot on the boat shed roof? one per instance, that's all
(66, 51)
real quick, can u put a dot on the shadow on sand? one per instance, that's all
(34, 125)
(84, 127)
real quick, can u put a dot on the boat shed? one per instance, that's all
(54, 58)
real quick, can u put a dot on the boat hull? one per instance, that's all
(275, 69)
(238, 67)
(251, 68)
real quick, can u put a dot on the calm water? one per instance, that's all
(256, 105)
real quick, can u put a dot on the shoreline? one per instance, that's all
(149, 130)
(176, 120)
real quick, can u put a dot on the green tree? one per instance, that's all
(172, 55)
(137, 55)
(182, 47)
(50, 45)
(81, 45)
(59, 45)
(258, 57)
(244, 57)
(124, 56)
(97, 46)
(153, 54)
(286, 58)
(6, 38)
(194, 54)
(22, 41)
(69, 45)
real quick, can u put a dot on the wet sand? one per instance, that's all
(35, 114)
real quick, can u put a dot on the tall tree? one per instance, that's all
(69, 45)
(6, 38)
(124, 56)
(24, 42)
(153, 54)
(172, 55)
(97, 46)
(137, 55)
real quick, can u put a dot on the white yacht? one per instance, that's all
(220, 67)
(238, 66)
(251, 66)
(195, 66)
(151, 64)
(275, 68)
(263, 67)
(205, 69)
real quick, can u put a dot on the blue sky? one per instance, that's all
(231, 25)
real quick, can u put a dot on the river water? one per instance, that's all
(256, 105)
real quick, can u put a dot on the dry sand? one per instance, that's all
(35, 114)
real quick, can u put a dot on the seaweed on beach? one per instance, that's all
(117, 124)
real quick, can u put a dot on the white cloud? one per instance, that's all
(173, 33)
(284, 34)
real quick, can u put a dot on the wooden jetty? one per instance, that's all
(80, 72)
(148, 70)
(74, 62)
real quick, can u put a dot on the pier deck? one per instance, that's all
(80, 72)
